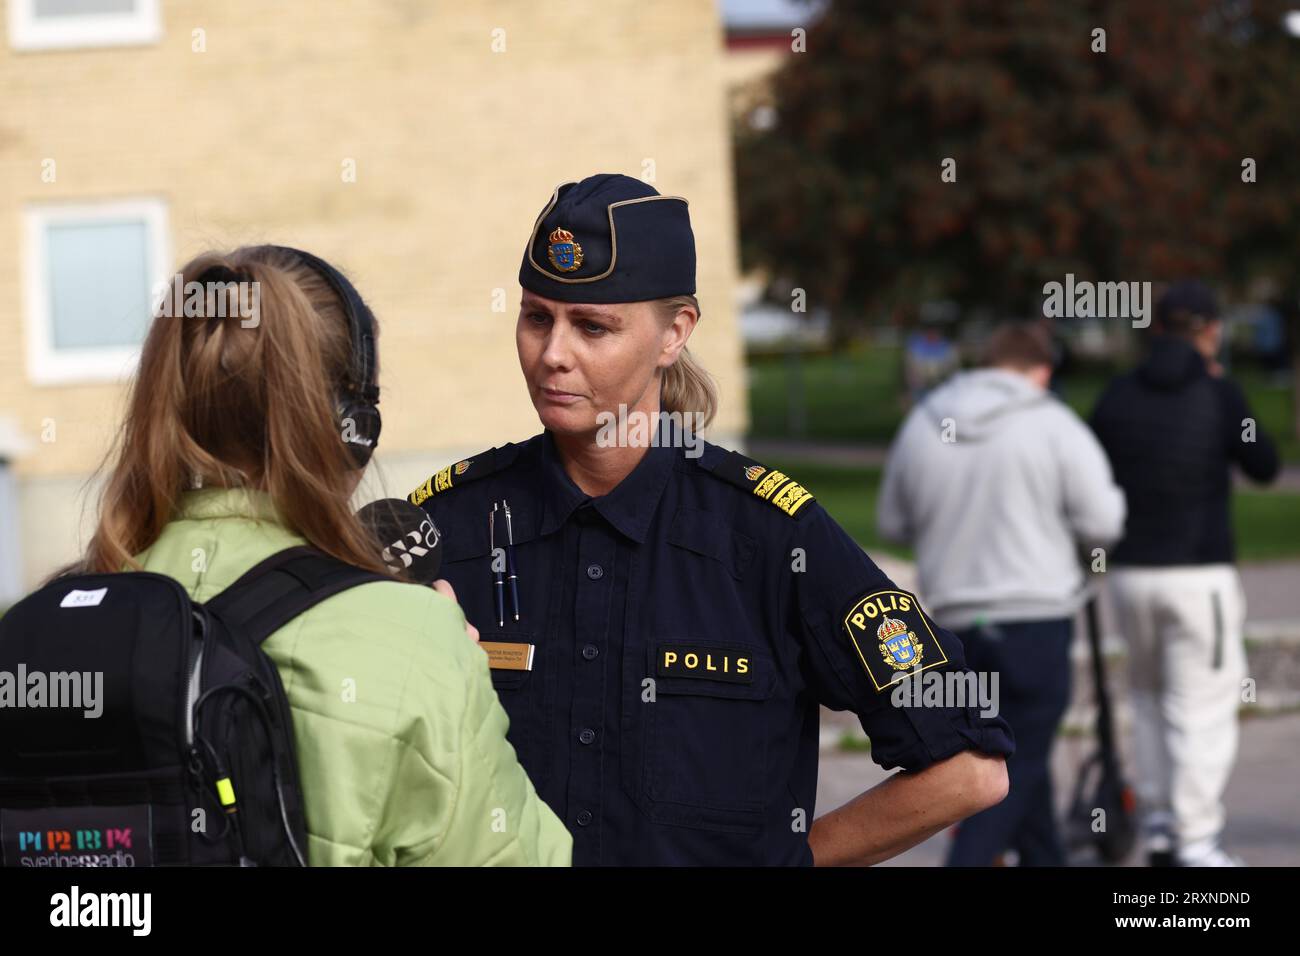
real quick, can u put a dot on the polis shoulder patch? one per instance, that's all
(464, 471)
(893, 636)
(773, 486)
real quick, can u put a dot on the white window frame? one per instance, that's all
(30, 32)
(47, 365)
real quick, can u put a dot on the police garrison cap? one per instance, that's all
(610, 238)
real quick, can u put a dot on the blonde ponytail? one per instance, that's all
(238, 405)
(687, 386)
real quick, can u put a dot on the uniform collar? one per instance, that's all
(227, 503)
(629, 507)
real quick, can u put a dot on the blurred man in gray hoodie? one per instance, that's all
(998, 486)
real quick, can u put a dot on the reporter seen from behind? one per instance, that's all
(230, 453)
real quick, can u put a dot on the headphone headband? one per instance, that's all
(361, 322)
(358, 401)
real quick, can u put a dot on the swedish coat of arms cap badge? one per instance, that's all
(564, 251)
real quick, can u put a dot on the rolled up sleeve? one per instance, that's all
(865, 639)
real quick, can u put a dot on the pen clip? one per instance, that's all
(512, 572)
(498, 578)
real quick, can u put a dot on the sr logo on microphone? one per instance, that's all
(407, 541)
(401, 554)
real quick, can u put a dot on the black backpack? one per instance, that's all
(138, 728)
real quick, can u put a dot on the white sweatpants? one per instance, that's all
(1187, 661)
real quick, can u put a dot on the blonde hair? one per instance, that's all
(238, 405)
(687, 386)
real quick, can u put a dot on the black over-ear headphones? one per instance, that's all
(358, 397)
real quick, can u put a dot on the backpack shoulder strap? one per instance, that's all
(275, 591)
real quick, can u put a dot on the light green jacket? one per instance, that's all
(400, 736)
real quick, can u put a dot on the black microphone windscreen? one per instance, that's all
(406, 538)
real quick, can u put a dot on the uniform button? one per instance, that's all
(595, 572)
(587, 735)
(590, 652)
(584, 817)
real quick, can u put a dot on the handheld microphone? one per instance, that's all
(409, 543)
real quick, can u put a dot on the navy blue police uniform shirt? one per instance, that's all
(674, 641)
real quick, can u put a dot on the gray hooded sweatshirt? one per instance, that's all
(999, 486)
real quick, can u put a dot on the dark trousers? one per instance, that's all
(1032, 659)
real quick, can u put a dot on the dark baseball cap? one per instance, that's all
(1190, 297)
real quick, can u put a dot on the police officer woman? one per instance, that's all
(230, 453)
(662, 616)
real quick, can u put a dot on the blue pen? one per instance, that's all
(498, 576)
(510, 560)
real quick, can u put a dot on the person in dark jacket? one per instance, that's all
(1173, 429)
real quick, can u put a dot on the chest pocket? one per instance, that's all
(525, 696)
(704, 533)
(704, 747)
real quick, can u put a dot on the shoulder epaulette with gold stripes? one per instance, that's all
(464, 471)
(773, 486)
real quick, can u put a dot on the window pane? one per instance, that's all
(75, 8)
(99, 283)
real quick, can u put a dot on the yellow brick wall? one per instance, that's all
(456, 149)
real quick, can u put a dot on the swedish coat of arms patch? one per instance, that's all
(905, 642)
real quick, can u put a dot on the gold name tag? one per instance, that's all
(504, 656)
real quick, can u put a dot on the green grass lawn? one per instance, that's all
(1266, 523)
(1272, 405)
(849, 397)
(855, 397)
(848, 494)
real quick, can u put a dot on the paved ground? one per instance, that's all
(1272, 598)
(1263, 798)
